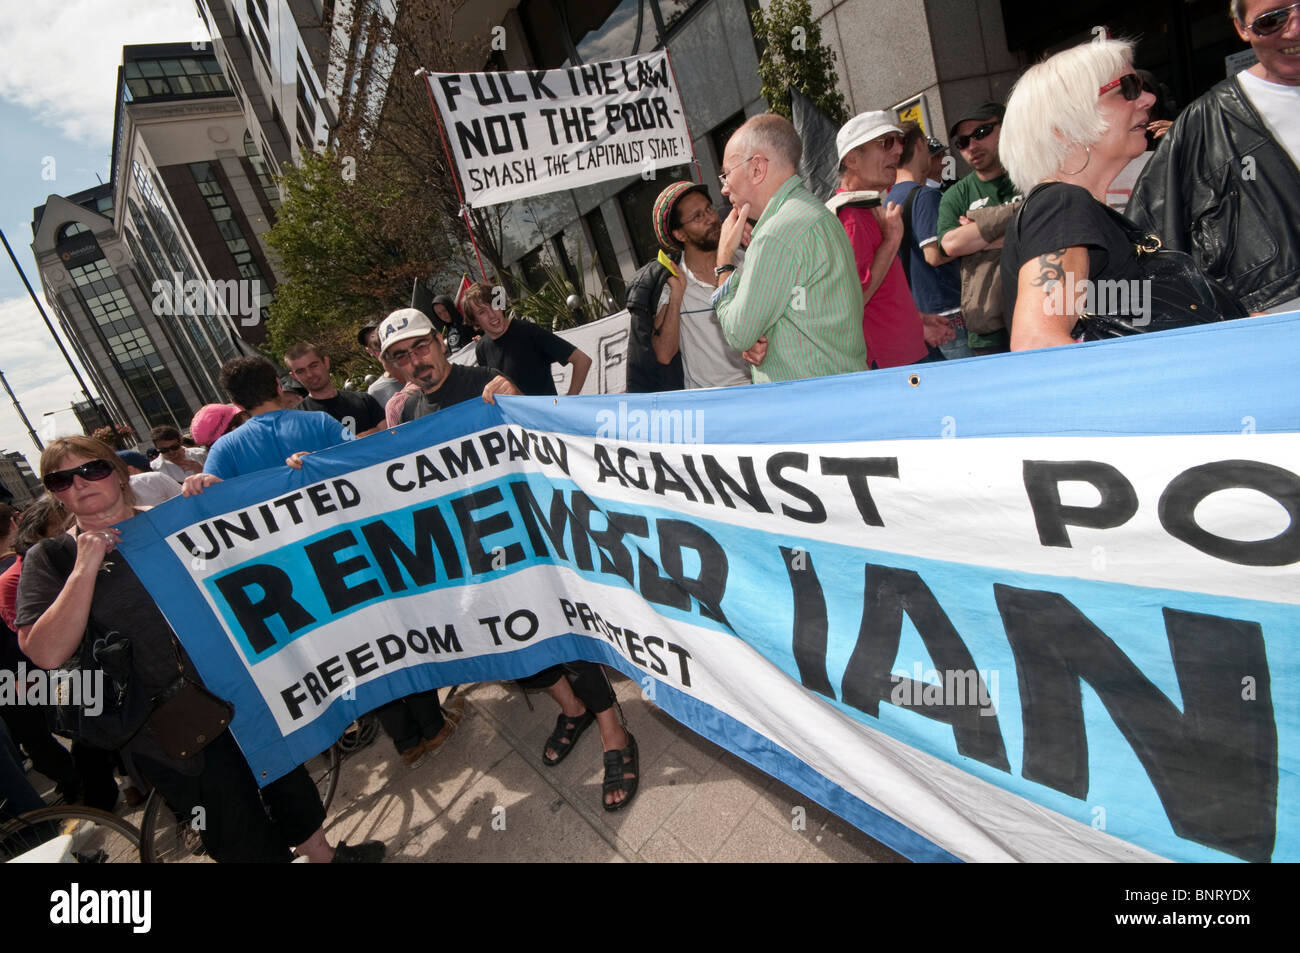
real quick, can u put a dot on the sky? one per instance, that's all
(58, 74)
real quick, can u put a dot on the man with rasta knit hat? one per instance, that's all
(685, 221)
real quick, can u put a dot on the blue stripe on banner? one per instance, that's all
(1244, 378)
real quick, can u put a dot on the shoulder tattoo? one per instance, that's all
(1051, 270)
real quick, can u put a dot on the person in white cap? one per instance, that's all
(870, 147)
(408, 339)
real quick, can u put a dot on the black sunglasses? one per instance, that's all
(1130, 86)
(961, 142)
(57, 481)
(1274, 20)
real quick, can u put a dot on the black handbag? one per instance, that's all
(95, 700)
(1178, 294)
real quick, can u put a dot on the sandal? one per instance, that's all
(565, 736)
(618, 763)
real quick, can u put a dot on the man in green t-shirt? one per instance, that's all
(975, 135)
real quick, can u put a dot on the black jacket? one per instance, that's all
(1221, 188)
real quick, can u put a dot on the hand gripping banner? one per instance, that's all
(516, 134)
(1036, 606)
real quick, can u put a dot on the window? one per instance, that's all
(205, 176)
(129, 347)
(72, 228)
(175, 76)
(260, 41)
(263, 172)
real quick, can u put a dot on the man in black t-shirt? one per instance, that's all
(360, 413)
(408, 340)
(523, 351)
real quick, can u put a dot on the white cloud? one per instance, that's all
(60, 60)
(37, 375)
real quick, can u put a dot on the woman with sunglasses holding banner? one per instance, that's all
(76, 587)
(1072, 268)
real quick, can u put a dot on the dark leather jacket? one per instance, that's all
(1221, 188)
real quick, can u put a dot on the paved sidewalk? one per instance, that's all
(486, 796)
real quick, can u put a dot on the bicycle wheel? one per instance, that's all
(359, 734)
(324, 771)
(95, 837)
(167, 838)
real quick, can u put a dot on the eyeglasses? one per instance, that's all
(418, 348)
(978, 134)
(1274, 20)
(57, 481)
(889, 140)
(167, 449)
(702, 215)
(1130, 86)
(723, 177)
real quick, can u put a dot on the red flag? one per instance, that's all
(460, 292)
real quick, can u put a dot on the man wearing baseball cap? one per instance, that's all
(685, 221)
(965, 229)
(407, 338)
(870, 146)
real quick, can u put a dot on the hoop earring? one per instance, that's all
(1087, 158)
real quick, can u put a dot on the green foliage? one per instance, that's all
(794, 55)
(548, 305)
(343, 259)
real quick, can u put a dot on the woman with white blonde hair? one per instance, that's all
(1073, 122)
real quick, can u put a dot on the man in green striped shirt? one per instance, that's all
(798, 286)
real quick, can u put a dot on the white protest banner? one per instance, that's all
(536, 131)
(1038, 606)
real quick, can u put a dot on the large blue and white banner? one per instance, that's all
(1036, 606)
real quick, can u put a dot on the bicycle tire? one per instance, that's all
(324, 771)
(97, 836)
(360, 734)
(166, 838)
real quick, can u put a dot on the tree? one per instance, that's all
(794, 55)
(344, 259)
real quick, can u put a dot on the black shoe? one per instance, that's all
(370, 852)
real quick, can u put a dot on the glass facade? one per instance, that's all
(165, 245)
(223, 215)
(175, 76)
(133, 353)
(196, 345)
(265, 179)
